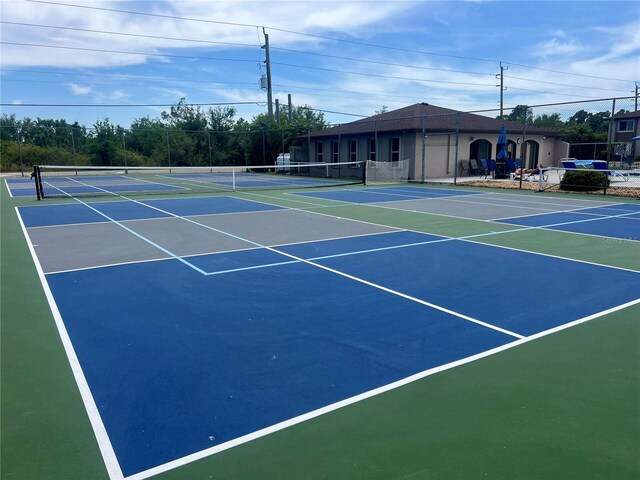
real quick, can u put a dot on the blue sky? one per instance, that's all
(348, 59)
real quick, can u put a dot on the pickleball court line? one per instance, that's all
(387, 207)
(99, 430)
(296, 420)
(322, 267)
(469, 238)
(293, 257)
(365, 395)
(133, 232)
(101, 189)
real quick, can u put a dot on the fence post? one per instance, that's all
(610, 132)
(424, 146)
(19, 130)
(168, 150)
(124, 148)
(455, 156)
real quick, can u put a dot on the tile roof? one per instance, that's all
(438, 120)
(635, 114)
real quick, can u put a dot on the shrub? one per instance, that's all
(584, 180)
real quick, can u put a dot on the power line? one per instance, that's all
(367, 74)
(566, 85)
(159, 37)
(548, 93)
(353, 42)
(209, 42)
(120, 105)
(137, 35)
(125, 76)
(100, 50)
(123, 52)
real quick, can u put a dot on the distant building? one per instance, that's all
(626, 127)
(400, 134)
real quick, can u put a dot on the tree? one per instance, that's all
(520, 114)
(103, 143)
(551, 121)
(270, 138)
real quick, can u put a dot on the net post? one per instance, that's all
(364, 172)
(233, 178)
(38, 182)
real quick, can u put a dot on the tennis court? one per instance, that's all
(199, 328)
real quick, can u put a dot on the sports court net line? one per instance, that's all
(387, 172)
(72, 181)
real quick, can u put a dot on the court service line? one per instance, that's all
(570, 202)
(336, 272)
(366, 395)
(470, 238)
(377, 205)
(577, 211)
(546, 207)
(99, 430)
(149, 241)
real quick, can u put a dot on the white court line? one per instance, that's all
(6, 184)
(150, 242)
(364, 396)
(99, 430)
(470, 238)
(280, 426)
(337, 272)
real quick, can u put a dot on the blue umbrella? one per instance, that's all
(502, 144)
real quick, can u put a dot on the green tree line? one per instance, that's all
(581, 127)
(185, 135)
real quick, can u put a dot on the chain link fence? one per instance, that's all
(441, 145)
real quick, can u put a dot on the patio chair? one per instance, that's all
(491, 165)
(473, 167)
(465, 167)
(488, 166)
(484, 168)
(511, 165)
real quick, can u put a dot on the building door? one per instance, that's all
(480, 149)
(533, 153)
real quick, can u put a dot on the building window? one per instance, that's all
(319, 154)
(395, 149)
(625, 126)
(372, 149)
(335, 151)
(353, 150)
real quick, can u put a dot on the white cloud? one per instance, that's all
(554, 47)
(79, 89)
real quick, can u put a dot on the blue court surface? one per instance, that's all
(86, 185)
(91, 212)
(387, 194)
(617, 221)
(181, 360)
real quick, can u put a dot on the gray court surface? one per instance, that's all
(491, 206)
(72, 247)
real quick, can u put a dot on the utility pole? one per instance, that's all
(268, 62)
(636, 99)
(502, 89)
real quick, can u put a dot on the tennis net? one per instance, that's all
(71, 181)
(387, 172)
